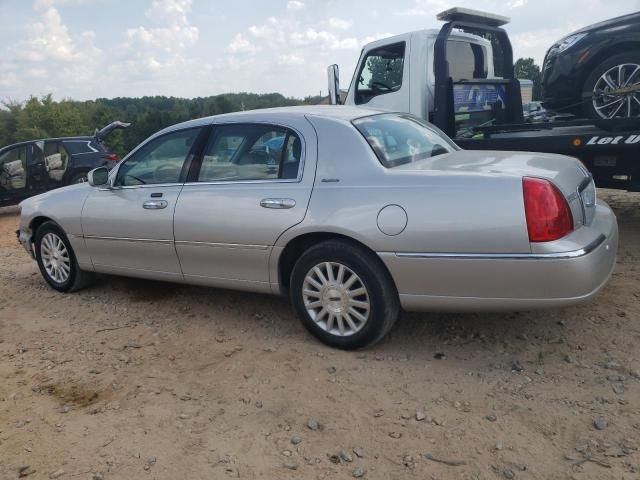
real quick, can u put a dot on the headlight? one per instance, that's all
(566, 43)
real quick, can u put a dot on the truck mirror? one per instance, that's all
(333, 73)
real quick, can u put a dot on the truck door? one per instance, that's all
(382, 78)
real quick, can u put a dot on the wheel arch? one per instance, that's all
(297, 245)
(609, 51)
(36, 222)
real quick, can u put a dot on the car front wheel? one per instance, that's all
(344, 295)
(57, 261)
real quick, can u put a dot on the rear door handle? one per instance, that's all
(278, 203)
(155, 204)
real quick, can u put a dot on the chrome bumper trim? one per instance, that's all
(510, 256)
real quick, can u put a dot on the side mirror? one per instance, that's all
(333, 72)
(98, 176)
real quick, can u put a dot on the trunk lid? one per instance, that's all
(104, 131)
(566, 173)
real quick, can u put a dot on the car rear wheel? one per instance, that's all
(612, 90)
(344, 295)
(57, 261)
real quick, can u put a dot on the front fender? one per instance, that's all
(64, 207)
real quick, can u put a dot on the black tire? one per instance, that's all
(381, 292)
(76, 278)
(590, 83)
(78, 178)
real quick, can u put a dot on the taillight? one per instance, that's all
(110, 156)
(547, 211)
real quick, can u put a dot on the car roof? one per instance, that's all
(56, 139)
(287, 114)
(630, 19)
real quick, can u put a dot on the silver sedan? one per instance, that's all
(353, 213)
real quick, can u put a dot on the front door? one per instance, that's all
(254, 182)
(14, 174)
(128, 227)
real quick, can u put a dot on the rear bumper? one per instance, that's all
(541, 279)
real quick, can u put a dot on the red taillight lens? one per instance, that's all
(547, 211)
(111, 156)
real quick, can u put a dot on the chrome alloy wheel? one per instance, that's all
(55, 258)
(336, 299)
(616, 94)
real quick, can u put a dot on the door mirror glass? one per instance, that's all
(333, 72)
(98, 176)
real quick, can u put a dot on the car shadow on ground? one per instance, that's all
(272, 317)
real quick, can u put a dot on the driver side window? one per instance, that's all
(162, 160)
(381, 72)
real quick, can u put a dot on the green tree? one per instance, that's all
(43, 117)
(526, 68)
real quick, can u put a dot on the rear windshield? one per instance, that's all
(400, 139)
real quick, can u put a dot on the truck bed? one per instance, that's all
(613, 157)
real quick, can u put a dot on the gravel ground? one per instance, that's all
(137, 379)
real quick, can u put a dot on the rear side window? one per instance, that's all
(400, 139)
(242, 152)
(381, 72)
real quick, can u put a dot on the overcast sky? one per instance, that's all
(85, 49)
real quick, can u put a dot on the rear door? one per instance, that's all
(128, 228)
(253, 183)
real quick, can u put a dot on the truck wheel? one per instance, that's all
(612, 90)
(56, 260)
(344, 295)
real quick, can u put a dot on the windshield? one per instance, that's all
(399, 139)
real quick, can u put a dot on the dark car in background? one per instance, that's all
(595, 71)
(32, 167)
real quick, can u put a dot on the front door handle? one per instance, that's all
(155, 204)
(278, 203)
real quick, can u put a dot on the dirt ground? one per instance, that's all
(133, 379)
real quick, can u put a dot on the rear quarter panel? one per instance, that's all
(446, 212)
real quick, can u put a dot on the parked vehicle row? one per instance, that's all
(352, 212)
(35, 166)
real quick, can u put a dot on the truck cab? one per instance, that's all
(397, 73)
(461, 78)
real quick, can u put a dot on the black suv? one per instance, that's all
(596, 71)
(30, 168)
